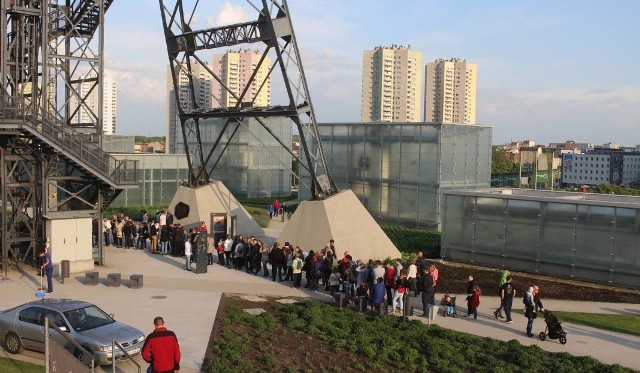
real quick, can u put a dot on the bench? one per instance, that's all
(113, 280)
(91, 278)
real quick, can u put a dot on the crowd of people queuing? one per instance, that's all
(375, 283)
(163, 236)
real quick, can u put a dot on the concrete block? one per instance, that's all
(340, 299)
(113, 279)
(135, 281)
(91, 278)
(360, 304)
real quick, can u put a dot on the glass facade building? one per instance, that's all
(159, 178)
(253, 164)
(399, 170)
(593, 237)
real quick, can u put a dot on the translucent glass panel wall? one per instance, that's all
(592, 242)
(465, 157)
(254, 164)
(160, 176)
(118, 143)
(397, 170)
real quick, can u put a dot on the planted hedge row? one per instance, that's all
(409, 241)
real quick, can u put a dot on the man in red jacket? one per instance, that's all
(161, 349)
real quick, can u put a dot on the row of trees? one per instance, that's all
(501, 163)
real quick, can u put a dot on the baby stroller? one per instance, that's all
(450, 308)
(554, 328)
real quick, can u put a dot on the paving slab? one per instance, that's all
(254, 311)
(286, 301)
(253, 298)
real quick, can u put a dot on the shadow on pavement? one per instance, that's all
(574, 330)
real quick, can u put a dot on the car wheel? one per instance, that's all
(543, 336)
(563, 339)
(13, 343)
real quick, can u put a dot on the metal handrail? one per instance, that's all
(114, 343)
(48, 324)
(76, 144)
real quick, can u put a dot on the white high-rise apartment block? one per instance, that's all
(391, 84)
(88, 112)
(202, 81)
(450, 91)
(235, 68)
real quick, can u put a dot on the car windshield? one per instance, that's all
(86, 318)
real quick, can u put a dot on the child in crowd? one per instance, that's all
(449, 305)
(475, 302)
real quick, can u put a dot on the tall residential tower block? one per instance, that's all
(235, 69)
(450, 91)
(391, 84)
(88, 112)
(202, 98)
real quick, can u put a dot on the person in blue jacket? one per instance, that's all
(47, 267)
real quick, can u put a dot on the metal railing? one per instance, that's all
(115, 344)
(77, 146)
(48, 324)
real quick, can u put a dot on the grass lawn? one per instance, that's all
(312, 336)
(259, 214)
(15, 366)
(629, 324)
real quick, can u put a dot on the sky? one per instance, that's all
(548, 70)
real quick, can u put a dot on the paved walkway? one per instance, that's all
(189, 303)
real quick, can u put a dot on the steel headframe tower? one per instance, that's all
(273, 31)
(51, 158)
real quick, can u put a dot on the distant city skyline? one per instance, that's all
(548, 71)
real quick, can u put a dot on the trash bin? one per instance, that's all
(64, 270)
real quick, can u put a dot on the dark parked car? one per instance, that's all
(23, 327)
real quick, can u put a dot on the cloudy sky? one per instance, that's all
(548, 70)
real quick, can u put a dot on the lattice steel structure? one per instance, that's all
(272, 33)
(50, 161)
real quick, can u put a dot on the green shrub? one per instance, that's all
(409, 241)
(382, 343)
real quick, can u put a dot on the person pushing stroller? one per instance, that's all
(533, 304)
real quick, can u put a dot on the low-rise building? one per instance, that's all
(601, 166)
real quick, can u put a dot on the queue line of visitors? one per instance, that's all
(374, 283)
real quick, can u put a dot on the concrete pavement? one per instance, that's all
(189, 303)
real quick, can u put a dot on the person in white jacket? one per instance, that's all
(187, 254)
